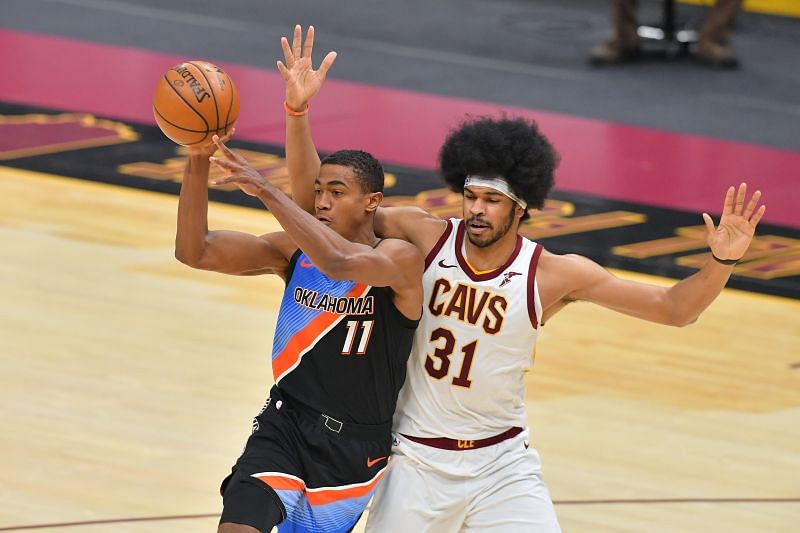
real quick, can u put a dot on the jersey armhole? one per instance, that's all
(534, 304)
(438, 246)
(292, 264)
(406, 322)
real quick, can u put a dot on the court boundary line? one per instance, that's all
(675, 500)
(555, 502)
(110, 521)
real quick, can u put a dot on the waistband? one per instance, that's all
(444, 443)
(332, 424)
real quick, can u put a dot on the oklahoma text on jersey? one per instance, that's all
(346, 305)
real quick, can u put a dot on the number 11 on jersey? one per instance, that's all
(352, 329)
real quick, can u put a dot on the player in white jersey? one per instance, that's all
(481, 328)
(462, 459)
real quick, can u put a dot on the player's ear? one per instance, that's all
(373, 201)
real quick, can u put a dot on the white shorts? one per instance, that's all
(494, 489)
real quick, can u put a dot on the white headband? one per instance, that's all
(498, 184)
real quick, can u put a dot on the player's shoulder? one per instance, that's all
(565, 263)
(562, 259)
(399, 249)
(568, 270)
(280, 241)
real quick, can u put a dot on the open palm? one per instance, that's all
(737, 226)
(302, 81)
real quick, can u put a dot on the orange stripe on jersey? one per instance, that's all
(323, 496)
(304, 339)
(282, 483)
(301, 340)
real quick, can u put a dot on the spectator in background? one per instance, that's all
(712, 45)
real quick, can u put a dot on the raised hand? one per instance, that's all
(302, 81)
(239, 170)
(737, 226)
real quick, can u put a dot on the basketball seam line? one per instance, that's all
(168, 121)
(230, 106)
(208, 130)
(213, 94)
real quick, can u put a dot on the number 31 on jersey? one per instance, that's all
(438, 364)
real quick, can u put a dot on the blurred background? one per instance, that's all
(129, 380)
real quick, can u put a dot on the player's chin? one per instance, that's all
(481, 240)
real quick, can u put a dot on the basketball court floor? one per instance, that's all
(129, 380)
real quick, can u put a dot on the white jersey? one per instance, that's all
(473, 345)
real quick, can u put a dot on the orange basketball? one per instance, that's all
(193, 101)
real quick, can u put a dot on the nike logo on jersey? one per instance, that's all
(373, 462)
(443, 265)
(306, 263)
(507, 277)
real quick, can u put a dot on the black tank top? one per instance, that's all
(340, 347)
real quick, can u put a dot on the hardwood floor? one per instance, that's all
(129, 382)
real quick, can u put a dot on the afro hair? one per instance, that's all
(513, 149)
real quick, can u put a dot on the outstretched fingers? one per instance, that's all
(757, 216)
(223, 181)
(297, 40)
(327, 63)
(740, 196)
(283, 70)
(227, 152)
(709, 223)
(226, 136)
(287, 52)
(236, 179)
(727, 208)
(751, 206)
(227, 166)
(309, 46)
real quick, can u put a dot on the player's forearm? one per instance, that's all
(328, 250)
(691, 296)
(190, 238)
(302, 160)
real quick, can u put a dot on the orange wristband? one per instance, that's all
(292, 112)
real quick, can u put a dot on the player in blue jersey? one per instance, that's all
(344, 332)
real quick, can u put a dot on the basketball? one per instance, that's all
(194, 101)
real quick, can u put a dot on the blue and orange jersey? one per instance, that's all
(341, 347)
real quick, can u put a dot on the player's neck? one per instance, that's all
(488, 258)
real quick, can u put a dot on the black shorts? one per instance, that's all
(320, 472)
